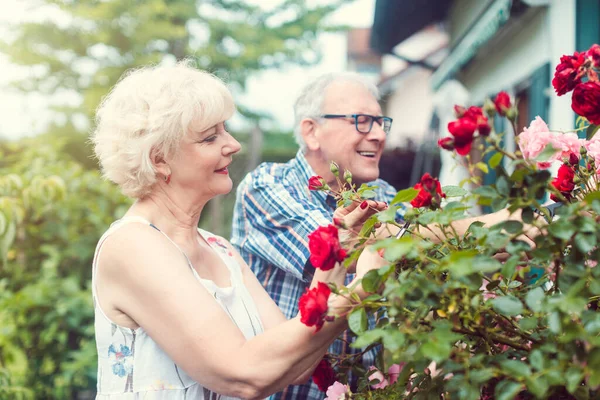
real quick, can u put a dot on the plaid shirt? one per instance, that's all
(273, 215)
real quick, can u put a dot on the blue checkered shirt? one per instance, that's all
(273, 215)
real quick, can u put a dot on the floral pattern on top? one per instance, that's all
(221, 245)
(121, 361)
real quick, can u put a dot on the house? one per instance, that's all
(494, 45)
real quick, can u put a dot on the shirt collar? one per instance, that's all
(306, 172)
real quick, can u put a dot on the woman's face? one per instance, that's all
(202, 161)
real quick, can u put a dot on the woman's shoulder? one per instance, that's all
(134, 239)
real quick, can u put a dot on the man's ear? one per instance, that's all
(159, 163)
(308, 129)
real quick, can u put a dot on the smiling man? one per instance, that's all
(338, 118)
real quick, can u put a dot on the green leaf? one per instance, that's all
(507, 390)
(486, 264)
(562, 229)
(511, 227)
(357, 321)
(486, 191)
(591, 131)
(481, 375)
(367, 227)
(507, 305)
(368, 194)
(436, 350)
(516, 368)
(591, 196)
(371, 281)
(366, 338)
(388, 215)
(585, 242)
(534, 299)
(462, 262)
(528, 323)
(405, 195)
(482, 167)
(554, 323)
(495, 160)
(503, 186)
(546, 154)
(393, 339)
(538, 386)
(537, 360)
(574, 377)
(454, 191)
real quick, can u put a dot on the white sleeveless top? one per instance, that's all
(132, 366)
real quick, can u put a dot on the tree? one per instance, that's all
(230, 38)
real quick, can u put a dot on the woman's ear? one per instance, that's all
(159, 163)
(308, 130)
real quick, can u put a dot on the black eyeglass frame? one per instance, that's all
(373, 118)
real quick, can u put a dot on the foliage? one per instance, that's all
(52, 212)
(503, 310)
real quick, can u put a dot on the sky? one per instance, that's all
(272, 91)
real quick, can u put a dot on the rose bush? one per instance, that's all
(461, 321)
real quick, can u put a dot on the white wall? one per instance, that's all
(561, 35)
(543, 36)
(411, 107)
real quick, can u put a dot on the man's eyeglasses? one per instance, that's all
(364, 122)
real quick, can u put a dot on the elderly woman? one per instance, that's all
(178, 313)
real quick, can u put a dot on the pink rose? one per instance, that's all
(567, 144)
(377, 375)
(534, 139)
(593, 148)
(337, 391)
(394, 371)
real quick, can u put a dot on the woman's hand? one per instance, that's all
(351, 219)
(369, 259)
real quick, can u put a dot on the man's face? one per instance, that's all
(338, 138)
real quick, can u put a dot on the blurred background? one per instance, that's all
(59, 57)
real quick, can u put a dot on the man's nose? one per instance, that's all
(377, 132)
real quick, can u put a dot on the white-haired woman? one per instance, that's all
(178, 314)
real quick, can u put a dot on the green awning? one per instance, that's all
(482, 30)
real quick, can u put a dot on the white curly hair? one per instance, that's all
(151, 109)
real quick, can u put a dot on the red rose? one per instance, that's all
(568, 73)
(564, 182)
(324, 375)
(325, 249)
(573, 159)
(586, 101)
(423, 198)
(315, 182)
(462, 130)
(502, 103)
(446, 143)
(594, 54)
(430, 192)
(475, 114)
(428, 182)
(313, 305)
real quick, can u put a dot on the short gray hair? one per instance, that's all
(310, 101)
(152, 109)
